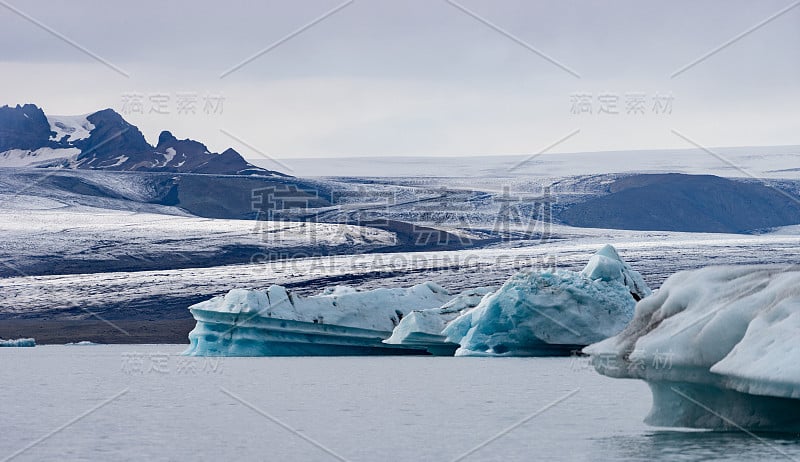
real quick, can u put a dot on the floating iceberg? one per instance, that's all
(276, 322)
(423, 328)
(718, 347)
(544, 312)
(20, 342)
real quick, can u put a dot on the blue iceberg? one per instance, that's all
(546, 312)
(20, 342)
(276, 322)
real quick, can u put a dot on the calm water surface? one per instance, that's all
(142, 402)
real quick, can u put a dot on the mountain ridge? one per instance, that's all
(104, 140)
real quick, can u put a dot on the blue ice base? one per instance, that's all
(243, 334)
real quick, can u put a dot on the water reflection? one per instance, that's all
(687, 445)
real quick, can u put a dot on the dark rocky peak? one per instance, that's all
(112, 136)
(231, 153)
(192, 156)
(190, 148)
(166, 137)
(24, 127)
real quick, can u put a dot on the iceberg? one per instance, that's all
(718, 348)
(423, 328)
(276, 322)
(20, 342)
(544, 312)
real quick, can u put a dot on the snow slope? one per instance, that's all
(41, 156)
(718, 347)
(77, 127)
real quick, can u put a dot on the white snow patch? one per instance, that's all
(169, 155)
(77, 127)
(120, 160)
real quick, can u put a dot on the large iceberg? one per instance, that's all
(339, 321)
(545, 312)
(718, 347)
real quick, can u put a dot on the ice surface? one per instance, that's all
(657, 253)
(73, 231)
(379, 309)
(20, 342)
(277, 322)
(718, 347)
(542, 312)
(425, 326)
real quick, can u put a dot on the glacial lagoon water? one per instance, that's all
(144, 402)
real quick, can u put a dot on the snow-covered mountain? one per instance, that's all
(105, 141)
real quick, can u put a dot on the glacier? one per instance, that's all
(541, 312)
(275, 322)
(718, 348)
(20, 342)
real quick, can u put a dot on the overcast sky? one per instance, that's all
(415, 77)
